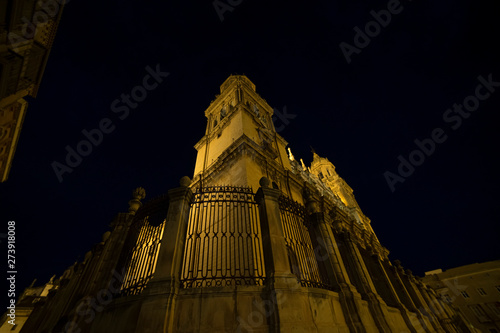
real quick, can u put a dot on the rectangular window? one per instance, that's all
(479, 313)
(481, 291)
(464, 294)
(495, 308)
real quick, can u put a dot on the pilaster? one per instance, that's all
(375, 303)
(418, 297)
(350, 299)
(278, 269)
(399, 276)
(161, 291)
(404, 311)
(436, 308)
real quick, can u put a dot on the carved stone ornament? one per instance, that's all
(139, 193)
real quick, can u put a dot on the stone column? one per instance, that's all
(401, 307)
(456, 318)
(359, 265)
(325, 241)
(111, 268)
(160, 292)
(435, 307)
(281, 284)
(278, 271)
(400, 288)
(334, 267)
(398, 275)
(375, 303)
(419, 299)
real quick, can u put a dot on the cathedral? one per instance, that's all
(254, 241)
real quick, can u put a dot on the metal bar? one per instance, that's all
(298, 240)
(231, 249)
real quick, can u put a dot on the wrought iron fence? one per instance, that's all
(223, 242)
(302, 257)
(144, 243)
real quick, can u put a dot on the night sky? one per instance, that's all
(362, 115)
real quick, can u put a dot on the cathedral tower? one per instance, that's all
(256, 242)
(240, 144)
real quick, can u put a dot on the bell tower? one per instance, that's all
(240, 144)
(325, 171)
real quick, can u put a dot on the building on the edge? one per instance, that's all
(255, 242)
(27, 31)
(27, 301)
(472, 289)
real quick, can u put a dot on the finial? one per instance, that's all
(290, 155)
(397, 263)
(303, 165)
(105, 236)
(264, 182)
(139, 193)
(185, 181)
(316, 157)
(135, 203)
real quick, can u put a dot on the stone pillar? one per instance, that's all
(281, 284)
(400, 288)
(419, 299)
(398, 275)
(359, 266)
(390, 294)
(435, 307)
(160, 292)
(401, 307)
(375, 303)
(334, 266)
(456, 318)
(278, 271)
(325, 241)
(109, 270)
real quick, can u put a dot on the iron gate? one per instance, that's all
(223, 243)
(143, 245)
(303, 261)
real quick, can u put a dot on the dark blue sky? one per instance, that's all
(360, 115)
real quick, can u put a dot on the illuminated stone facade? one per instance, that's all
(27, 31)
(240, 144)
(472, 289)
(214, 255)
